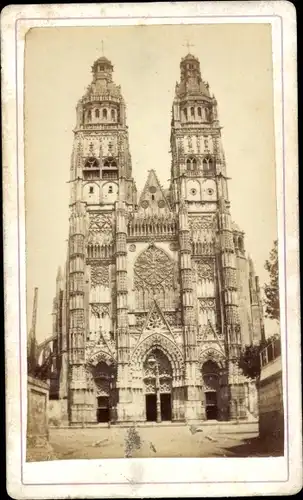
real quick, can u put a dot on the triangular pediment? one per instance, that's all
(210, 334)
(153, 198)
(155, 321)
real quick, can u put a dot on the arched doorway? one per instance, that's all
(157, 377)
(211, 383)
(104, 376)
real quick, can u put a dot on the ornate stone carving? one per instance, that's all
(207, 303)
(100, 228)
(206, 332)
(169, 348)
(100, 310)
(153, 267)
(173, 319)
(100, 222)
(99, 356)
(99, 275)
(165, 373)
(208, 352)
(198, 223)
(173, 246)
(132, 248)
(155, 322)
(140, 320)
(205, 270)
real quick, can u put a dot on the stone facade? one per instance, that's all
(157, 296)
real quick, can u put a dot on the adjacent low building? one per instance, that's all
(271, 413)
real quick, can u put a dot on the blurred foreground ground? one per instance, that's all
(147, 442)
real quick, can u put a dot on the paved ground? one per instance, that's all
(146, 442)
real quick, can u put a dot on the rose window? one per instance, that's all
(153, 267)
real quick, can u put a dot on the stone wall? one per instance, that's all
(57, 412)
(37, 410)
(271, 414)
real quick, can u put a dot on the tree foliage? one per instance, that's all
(249, 360)
(271, 290)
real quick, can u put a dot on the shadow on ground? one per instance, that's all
(256, 447)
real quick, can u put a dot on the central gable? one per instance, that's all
(153, 199)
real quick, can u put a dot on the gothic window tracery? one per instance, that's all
(208, 164)
(110, 163)
(91, 163)
(154, 278)
(210, 375)
(99, 275)
(153, 267)
(164, 372)
(199, 223)
(103, 376)
(97, 113)
(191, 163)
(205, 270)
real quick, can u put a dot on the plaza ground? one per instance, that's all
(147, 442)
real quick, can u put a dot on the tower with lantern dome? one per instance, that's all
(158, 295)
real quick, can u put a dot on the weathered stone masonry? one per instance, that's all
(158, 295)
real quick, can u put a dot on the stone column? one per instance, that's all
(77, 375)
(230, 300)
(123, 347)
(192, 401)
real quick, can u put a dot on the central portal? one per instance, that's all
(104, 375)
(151, 407)
(157, 382)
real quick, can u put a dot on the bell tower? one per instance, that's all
(101, 159)
(207, 255)
(102, 191)
(195, 140)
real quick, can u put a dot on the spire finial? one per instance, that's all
(188, 45)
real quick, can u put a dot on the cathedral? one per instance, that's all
(158, 295)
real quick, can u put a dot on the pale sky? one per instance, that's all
(236, 61)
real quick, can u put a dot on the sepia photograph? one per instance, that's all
(151, 250)
(152, 270)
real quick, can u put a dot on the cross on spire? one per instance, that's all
(188, 45)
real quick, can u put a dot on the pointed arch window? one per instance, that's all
(199, 112)
(191, 163)
(185, 113)
(207, 114)
(97, 113)
(104, 113)
(91, 163)
(113, 114)
(110, 163)
(240, 244)
(192, 111)
(208, 164)
(89, 115)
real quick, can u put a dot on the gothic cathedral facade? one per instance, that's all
(157, 296)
